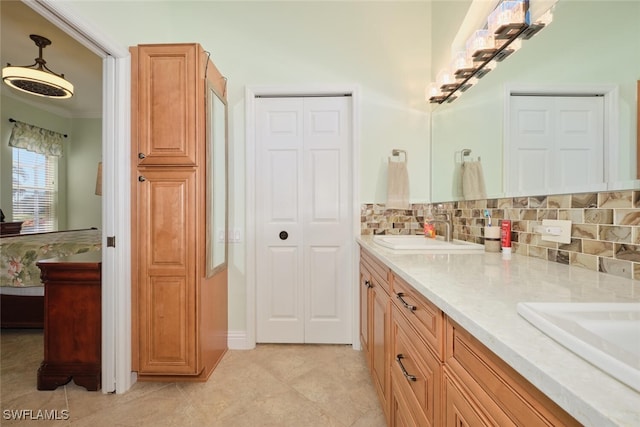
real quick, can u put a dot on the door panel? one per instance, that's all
(279, 306)
(167, 99)
(531, 145)
(327, 227)
(580, 141)
(303, 204)
(167, 299)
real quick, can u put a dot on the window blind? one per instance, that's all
(34, 190)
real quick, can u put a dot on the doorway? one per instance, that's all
(302, 185)
(116, 301)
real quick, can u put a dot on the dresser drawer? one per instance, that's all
(426, 318)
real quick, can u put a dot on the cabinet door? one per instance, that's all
(400, 414)
(379, 344)
(365, 285)
(166, 271)
(458, 410)
(167, 87)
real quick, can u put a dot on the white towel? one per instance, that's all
(473, 181)
(397, 186)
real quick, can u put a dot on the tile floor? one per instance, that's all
(274, 385)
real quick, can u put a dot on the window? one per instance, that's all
(35, 190)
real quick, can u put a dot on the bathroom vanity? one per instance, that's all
(446, 346)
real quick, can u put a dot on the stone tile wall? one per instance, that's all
(605, 230)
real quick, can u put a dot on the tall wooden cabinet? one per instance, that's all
(179, 307)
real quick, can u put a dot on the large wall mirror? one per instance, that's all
(216, 187)
(589, 44)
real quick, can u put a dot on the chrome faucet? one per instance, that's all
(447, 221)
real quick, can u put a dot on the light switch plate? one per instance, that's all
(563, 226)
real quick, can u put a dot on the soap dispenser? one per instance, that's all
(429, 228)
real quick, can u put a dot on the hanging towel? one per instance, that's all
(397, 186)
(473, 181)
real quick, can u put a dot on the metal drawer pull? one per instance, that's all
(368, 284)
(408, 306)
(407, 375)
(142, 178)
(141, 156)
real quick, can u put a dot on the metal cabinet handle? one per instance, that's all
(142, 178)
(368, 284)
(407, 375)
(141, 156)
(408, 306)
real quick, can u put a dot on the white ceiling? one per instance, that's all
(64, 55)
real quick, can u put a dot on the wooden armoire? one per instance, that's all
(179, 304)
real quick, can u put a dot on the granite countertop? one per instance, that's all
(480, 292)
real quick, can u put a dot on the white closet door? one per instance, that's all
(554, 144)
(580, 141)
(303, 210)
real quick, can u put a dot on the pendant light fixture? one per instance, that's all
(37, 79)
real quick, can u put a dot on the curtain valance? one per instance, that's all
(36, 139)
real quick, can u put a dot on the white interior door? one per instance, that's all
(303, 211)
(555, 144)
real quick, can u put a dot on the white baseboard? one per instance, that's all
(238, 340)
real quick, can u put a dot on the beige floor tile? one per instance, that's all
(277, 385)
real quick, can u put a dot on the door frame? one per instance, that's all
(248, 339)
(610, 93)
(116, 124)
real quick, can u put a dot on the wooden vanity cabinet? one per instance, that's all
(179, 310)
(375, 324)
(429, 371)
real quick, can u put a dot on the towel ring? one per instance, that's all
(396, 153)
(466, 152)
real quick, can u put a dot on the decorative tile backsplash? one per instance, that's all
(605, 229)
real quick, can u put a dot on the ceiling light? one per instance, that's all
(37, 79)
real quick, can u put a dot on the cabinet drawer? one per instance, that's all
(415, 371)
(379, 272)
(422, 314)
(461, 410)
(485, 372)
(401, 416)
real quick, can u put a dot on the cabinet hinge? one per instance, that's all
(111, 241)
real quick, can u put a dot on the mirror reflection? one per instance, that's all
(216, 247)
(590, 47)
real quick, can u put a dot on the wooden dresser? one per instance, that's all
(10, 228)
(72, 321)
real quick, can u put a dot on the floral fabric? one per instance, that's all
(19, 254)
(38, 140)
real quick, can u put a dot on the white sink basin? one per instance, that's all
(423, 243)
(605, 334)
